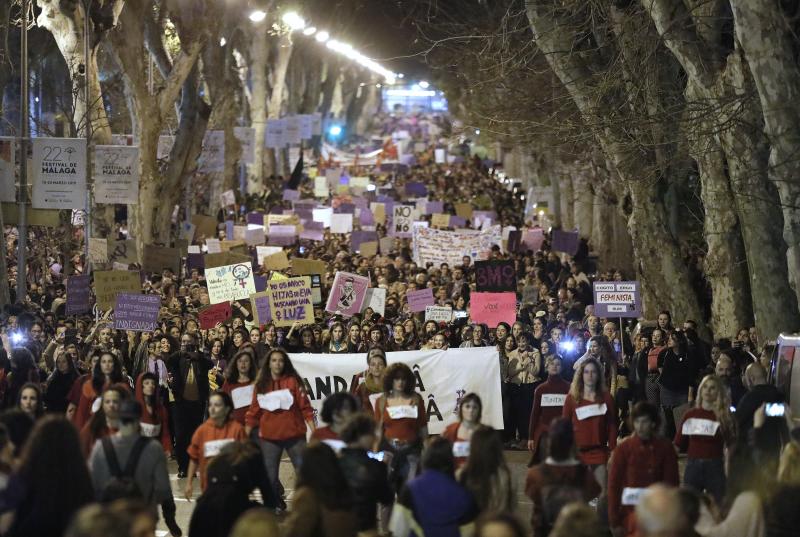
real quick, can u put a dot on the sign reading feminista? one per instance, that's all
(617, 299)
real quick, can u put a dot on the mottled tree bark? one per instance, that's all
(259, 55)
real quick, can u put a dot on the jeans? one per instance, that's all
(669, 401)
(187, 417)
(272, 451)
(706, 475)
(521, 404)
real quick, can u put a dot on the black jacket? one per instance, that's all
(368, 482)
(178, 366)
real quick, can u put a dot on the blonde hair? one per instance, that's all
(257, 522)
(576, 388)
(721, 407)
(789, 466)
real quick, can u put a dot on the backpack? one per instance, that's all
(122, 484)
(558, 493)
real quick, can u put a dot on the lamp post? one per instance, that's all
(22, 226)
(87, 95)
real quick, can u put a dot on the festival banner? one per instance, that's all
(290, 301)
(438, 246)
(347, 294)
(496, 275)
(107, 283)
(420, 299)
(230, 282)
(8, 191)
(136, 312)
(493, 308)
(443, 378)
(59, 173)
(79, 299)
(116, 174)
(210, 316)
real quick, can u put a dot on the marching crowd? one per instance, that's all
(93, 415)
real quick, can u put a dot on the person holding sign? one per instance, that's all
(281, 410)
(239, 379)
(548, 404)
(208, 440)
(642, 459)
(370, 384)
(594, 418)
(704, 433)
(459, 433)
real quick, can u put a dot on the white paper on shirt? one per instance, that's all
(700, 427)
(373, 399)
(631, 496)
(336, 445)
(460, 449)
(402, 411)
(553, 399)
(242, 396)
(151, 430)
(96, 404)
(589, 411)
(213, 447)
(272, 401)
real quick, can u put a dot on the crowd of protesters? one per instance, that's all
(94, 415)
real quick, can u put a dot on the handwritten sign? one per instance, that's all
(210, 316)
(496, 275)
(421, 299)
(493, 308)
(290, 301)
(439, 314)
(438, 246)
(136, 312)
(79, 298)
(402, 221)
(617, 299)
(440, 220)
(98, 250)
(230, 282)
(107, 283)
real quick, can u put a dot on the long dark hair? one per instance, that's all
(55, 474)
(99, 379)
(39, 398)
(264, 378)
(98, 419)
(485, 461)
(321, 473)
(232, 374)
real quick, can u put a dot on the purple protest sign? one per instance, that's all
(312, 224)
(260, 281)
(229, 229)
(79, 298)
(347, 294)
(281, 240)
(256, 219)
(291, 195)
(260, 305)
(532, 239)
(419, 300)
(434, 207)
(366, 218)
(345, 208)
(617, 299)
(416, 189)
(361, 203)
(312, 235)
(136, 312)
(195, 261)
(358, 237)
(304, 214)
(565, 241)
(457, 222)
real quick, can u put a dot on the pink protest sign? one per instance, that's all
(347, 294)
(419, 300)
(493, 308)
(532, 239)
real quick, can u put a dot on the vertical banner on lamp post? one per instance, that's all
(59, 173)
(116, 174)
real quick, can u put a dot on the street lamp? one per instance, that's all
(257, 15)
(311, 30)
(322, 36)
(293, 20)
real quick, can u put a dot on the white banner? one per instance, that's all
(247, 139)
(116, 174)
(7, 164)
(443, 378)
(437, 247)
(212, 155)
(59, 173)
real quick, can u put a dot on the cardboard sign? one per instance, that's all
(341, 223)
(369, 249)
(493, 308)
(136, 312)
(79, 299)
(259, 303)
(233, 246)
(224, 258)
(347, 294)
(402, 221)
(210, 316)
(464, 210)
(358, 237)
(439, 314)
(107, 283)
(205, 226)
(59, 173)
(157, 258)
(375, 299)
(565, 241)
(116, 174)
(212, 154)
(496, 276)
(306, 267)
(264, 251)
(290, 301)
(98, 250)
(440, 220)
(386, 244)
(276, 261)
(231, 282)
(617, 299)
(35, 217)
(420, 299)
(122, 251)
(378, 212)
(532, 239)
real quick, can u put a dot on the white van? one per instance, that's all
(785, 371)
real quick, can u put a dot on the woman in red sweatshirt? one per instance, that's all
(594, 418)
(239, 380)
(470, 409)
(154, 422)
(548, 404)
(281, 410)
(704, 433)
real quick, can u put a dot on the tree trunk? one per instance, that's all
(283, 54)
(259, 55)
(583, 205)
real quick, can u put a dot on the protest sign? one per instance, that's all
(212, 153)
(231, 282)
(224, 258)
(205, 226)
(34, 217)
(98, 250)
(532, 239)
(375, 299)
(291, 195)
(228, 198)
(402, 221)
(323, 215)
(420, 299)
(259, 303)
(254, 237)
(107, 283)
(440, 156)
(274, 135)
(187, 231)
(369, 248)
(165, 143)
(434, 207)
(457, 222)
(136, 312)
(157, 258)
(440, 220)
(276, 261)
(290, 301)
(386, 244)
(210, 316)
(496, 275)
(305, 267)
(213, 246)
(416, 189)
(116, 174)
(443, 378)
(79, 298)
(8, 191)
(59, 173)
(617, 299)
(312, 235)
(236, 247)
(359, 236)
(347, 294)
(240, 233)
(464, 210)
(439, 314)
(264, 251)
(194, 261)
(247, 140)
(438, 246)
(341, 223)
(565, 241)
(493, 308)
(514, 240)
(122, 251)
(378, 212)
(321, 187)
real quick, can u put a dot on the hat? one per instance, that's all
(130, 409)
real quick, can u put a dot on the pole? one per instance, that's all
(22, 261)
(87, 223)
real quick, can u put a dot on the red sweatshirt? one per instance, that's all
(595, 435)
(542, 414)
(451, 433)
(154, 424)
(700, 434)
(281, 424)
(635, 465)
(239, 414)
